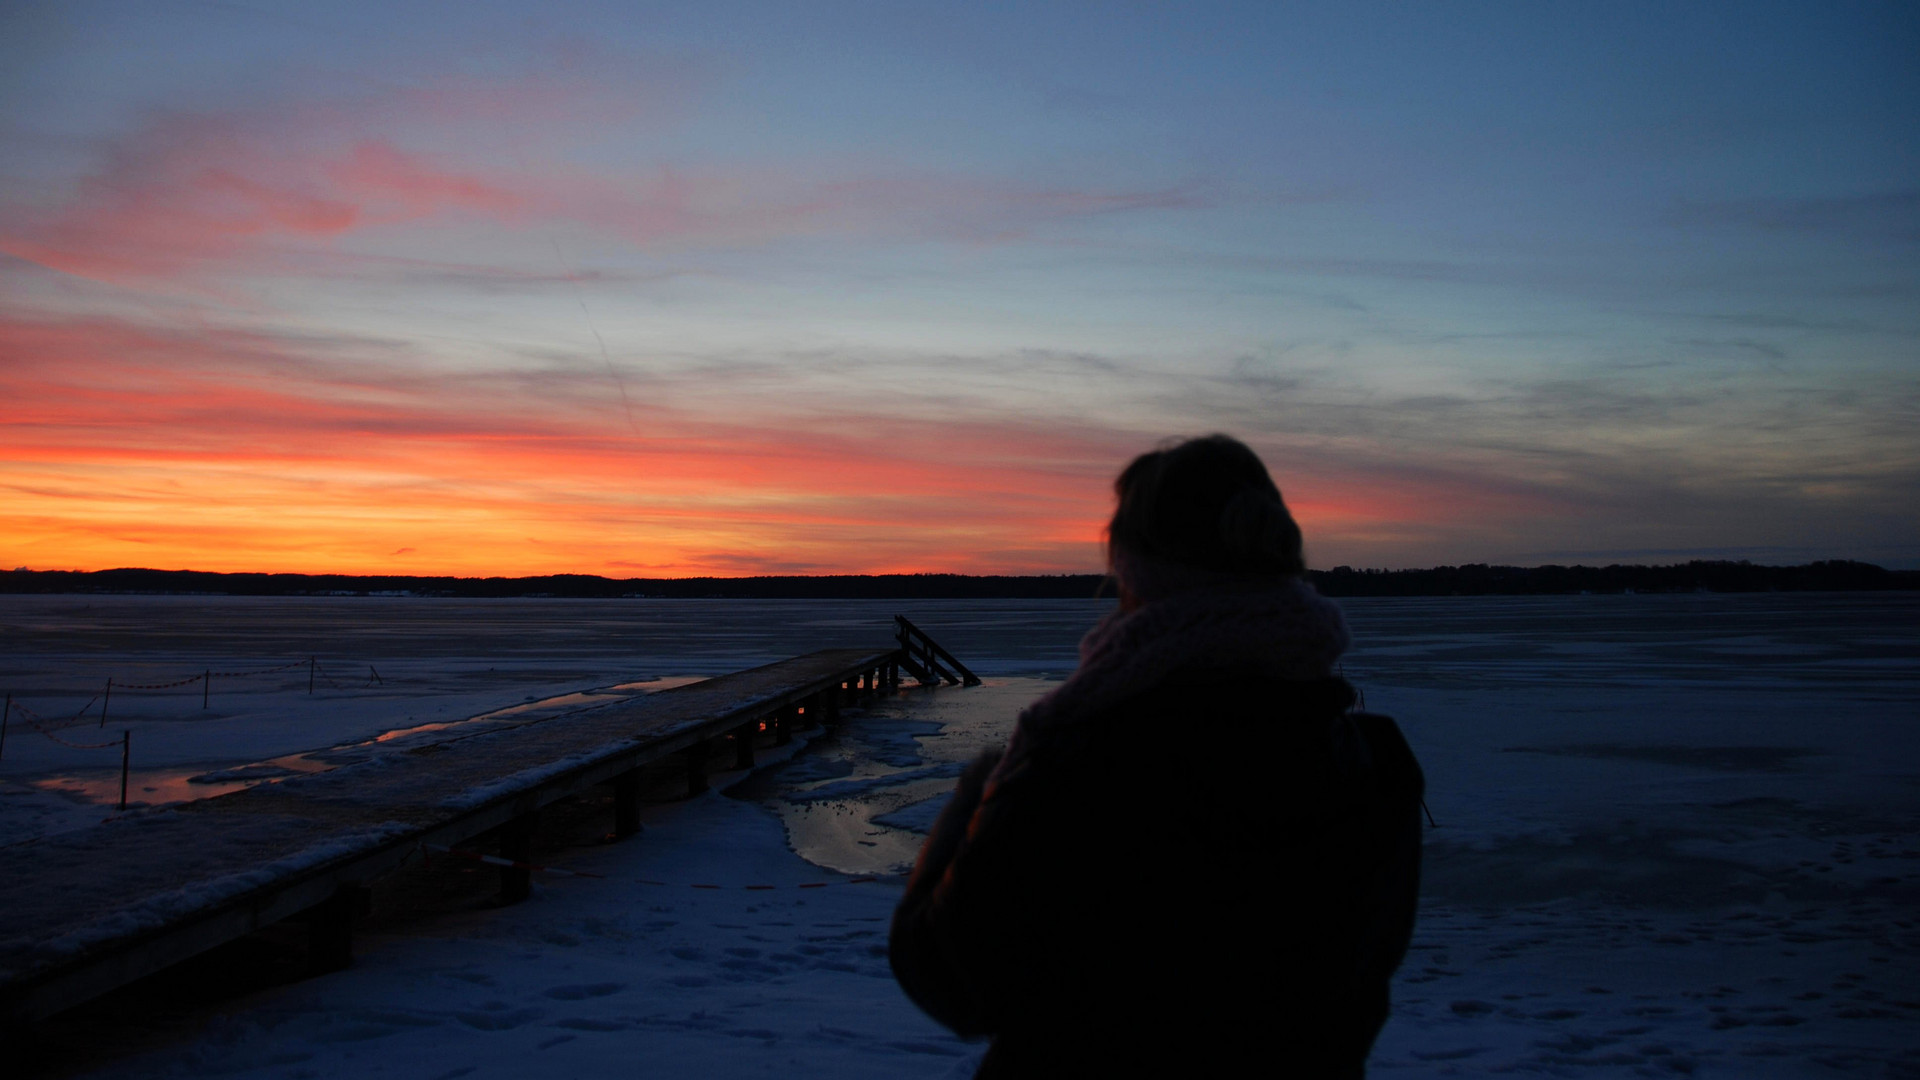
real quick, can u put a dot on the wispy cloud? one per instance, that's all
(276, 189)
(1881, 217)
(149, 444)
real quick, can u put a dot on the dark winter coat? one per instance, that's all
(1220, 870)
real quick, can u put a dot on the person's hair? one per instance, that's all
(1205, 503)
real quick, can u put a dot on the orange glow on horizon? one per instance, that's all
(225, 451)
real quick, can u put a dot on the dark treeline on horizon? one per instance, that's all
(1472, 579)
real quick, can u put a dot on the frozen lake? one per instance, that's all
(1676, 834)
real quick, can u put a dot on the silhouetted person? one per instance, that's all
(1191, 856)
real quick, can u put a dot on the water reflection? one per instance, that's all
(860, 797)
(175, 784)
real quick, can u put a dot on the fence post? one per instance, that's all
(206, 687)
(310, 666)
(5, 715)
(126, 743)
(106, 702)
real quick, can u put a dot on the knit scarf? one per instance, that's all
(1186, 621)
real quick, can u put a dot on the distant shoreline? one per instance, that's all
(1474, 579)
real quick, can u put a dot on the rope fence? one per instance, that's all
(39, 724)
(45, 725)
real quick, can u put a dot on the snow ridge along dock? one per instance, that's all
(85, 912)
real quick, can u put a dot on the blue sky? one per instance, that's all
(717, 288)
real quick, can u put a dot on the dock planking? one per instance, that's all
(83, 913)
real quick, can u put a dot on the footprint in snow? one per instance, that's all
(586, 990)
(1448, 1055)
(500, 1021)
(580, 1023)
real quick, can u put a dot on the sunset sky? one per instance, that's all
(713, 288)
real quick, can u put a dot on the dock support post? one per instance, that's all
(330, 928)
(516, 845)
(783, 725)
(697, 768)
(743, 744)
(626, 804)
(832, 698)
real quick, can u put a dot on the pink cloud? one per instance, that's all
(191, 193)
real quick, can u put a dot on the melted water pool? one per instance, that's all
(860, 796)
(176, 784)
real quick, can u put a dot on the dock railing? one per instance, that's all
(925, 660)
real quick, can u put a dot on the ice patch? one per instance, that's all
(918, 817)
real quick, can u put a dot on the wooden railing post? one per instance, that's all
(516, 845)
(934, 659)
(330, 928)
(626, 803)
(697, 767)
(743, 744)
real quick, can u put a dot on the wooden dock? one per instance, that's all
(83, 913)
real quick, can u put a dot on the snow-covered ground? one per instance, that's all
(1677, 835)
(386, 672)
(609, 976)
